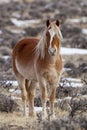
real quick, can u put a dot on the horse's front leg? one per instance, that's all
(52, 99)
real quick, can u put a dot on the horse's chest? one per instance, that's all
(51, 76)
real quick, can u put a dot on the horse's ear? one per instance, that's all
(48, 22)
(57, 22)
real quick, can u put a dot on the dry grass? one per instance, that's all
(10, 120)
(16, 121)
(60, 113)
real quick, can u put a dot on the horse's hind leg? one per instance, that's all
(21, 83)
(31, 93)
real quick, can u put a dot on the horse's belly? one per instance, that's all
(27, 72)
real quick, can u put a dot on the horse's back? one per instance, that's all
(25, 46)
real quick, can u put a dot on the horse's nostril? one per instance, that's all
(54, 50)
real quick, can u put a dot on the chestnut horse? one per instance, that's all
(39, 61)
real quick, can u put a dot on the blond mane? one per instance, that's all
(40, 48)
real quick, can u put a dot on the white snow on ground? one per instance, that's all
(24, 23)
(13, 83)
(15, 91)
(11, 90)
(38, 109)
(6, 1)
(84, 31)
(77, 20)
(5, 57)
(73, 51)
(67, 69)
(70, 82)
(76, 84)
(16, 31)
(16, 98)
(73, 79)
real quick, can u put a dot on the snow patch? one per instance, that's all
(24, 23)
(84, 31)
(73, 79)
(15, 91)
(7, 1)
(38, 109)
(77, 20)
(5, 57)
(72, 82)
(73, 51)
(15, 31)
(13, 83)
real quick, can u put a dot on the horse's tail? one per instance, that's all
(14, 55)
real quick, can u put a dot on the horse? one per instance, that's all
(39, 61)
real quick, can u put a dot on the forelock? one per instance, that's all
(56, 30)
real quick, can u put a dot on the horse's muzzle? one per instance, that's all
(52, 51)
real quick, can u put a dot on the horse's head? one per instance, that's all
(53, 37)
(50, 40)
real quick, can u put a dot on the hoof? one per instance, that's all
(44, 115)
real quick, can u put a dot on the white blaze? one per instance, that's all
(52, 33)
